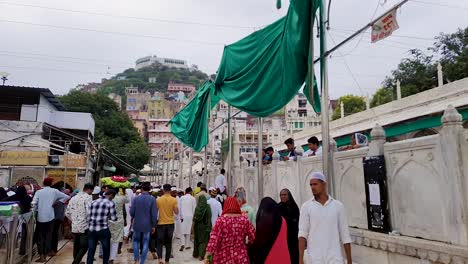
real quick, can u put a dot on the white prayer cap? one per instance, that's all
(97, 190)
(173, 189)
(317, 175)
(211, 188)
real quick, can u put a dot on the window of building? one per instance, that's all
(302, 102)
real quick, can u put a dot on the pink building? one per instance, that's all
(180, 87)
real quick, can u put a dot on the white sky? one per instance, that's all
(59, 58)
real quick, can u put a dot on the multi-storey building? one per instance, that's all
(180, 87)
(150, 115)
(150, 60)
(300, 115)
(244, 131)
(89, 88)
(137, 108)
(159, 133)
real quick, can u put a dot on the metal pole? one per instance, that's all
(173, 163)
(190, 167)
(181, 168)
(361, 30)
(229, 157)
(260, 159)
(326, 161)
(67, 148)
(156, 169)
(166, 175)
(205, 164)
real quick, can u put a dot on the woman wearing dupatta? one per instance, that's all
(202, 227)
(229, 236)
(271, 244)
(290, 211)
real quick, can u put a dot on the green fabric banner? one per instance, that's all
(259, 74)
(262, 72)
(190, 125)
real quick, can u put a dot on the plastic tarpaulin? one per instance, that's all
(190, 125)
(262, 72)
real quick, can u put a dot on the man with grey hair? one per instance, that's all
(323, 226)
(247, 210)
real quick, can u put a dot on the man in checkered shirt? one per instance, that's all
(100, 211)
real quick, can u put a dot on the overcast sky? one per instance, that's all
(61, 57)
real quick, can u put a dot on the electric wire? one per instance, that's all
(354, 78)
(439, 4)
(362, 35)
(2, 53)
(130, 17)
(112, 32)
(53, 69)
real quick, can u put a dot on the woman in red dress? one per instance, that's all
(227, 243)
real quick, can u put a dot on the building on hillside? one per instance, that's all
(300, 115)
(173, 87)
(160, 112)
(136, 100)
(150, 60)
(244, 131)
(179, 97)
(89, 88)
(137, 108)
(35, 132)
(116, 98)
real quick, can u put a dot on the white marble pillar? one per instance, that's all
(342, 109)
(440, 75)
(398, 89)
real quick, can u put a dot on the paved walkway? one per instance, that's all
(65, 255)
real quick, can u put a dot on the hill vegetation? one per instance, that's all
(141, 79)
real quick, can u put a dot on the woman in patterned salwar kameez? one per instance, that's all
(229, 236)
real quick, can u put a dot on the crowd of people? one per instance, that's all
(213, 226)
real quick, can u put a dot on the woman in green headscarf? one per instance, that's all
(202, 227)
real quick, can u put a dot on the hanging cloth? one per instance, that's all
(262, 72)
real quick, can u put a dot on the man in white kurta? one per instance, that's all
(187, 208)
(215, 205)
(323, 226)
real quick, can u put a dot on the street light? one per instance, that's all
(4, 77)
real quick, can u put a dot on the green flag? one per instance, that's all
(262, 72)
(190, 125)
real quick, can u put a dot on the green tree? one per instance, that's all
(140, 78)
(352, 104)
(419, 72)
(416, 74)
(453, 52)
(381, 96)
(114, 129)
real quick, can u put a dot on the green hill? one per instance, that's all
(140, 78)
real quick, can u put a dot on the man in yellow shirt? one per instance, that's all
(197, 189)
(167, 207)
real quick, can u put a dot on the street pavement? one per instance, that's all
(65, 255)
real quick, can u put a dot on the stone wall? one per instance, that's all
(427, 182)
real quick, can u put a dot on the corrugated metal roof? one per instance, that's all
(44, 91)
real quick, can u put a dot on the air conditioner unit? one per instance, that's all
(54, 160)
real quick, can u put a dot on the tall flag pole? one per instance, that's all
(326, 157)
